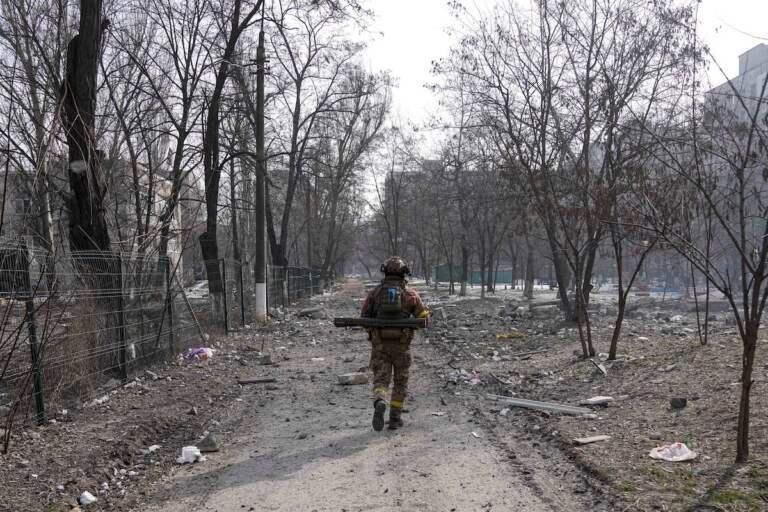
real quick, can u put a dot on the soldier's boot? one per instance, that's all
(379, 408)
(395, 420)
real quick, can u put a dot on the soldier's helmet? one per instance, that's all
(395, 266)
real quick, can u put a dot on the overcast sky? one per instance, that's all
(413, 35)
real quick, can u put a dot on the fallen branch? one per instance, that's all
(528, 353)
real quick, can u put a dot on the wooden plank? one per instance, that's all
(541, 406)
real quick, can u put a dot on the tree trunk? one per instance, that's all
(464, 270)
(88, 234)
(622, 307)
(529, 272)
(482, 267)
(749, 341)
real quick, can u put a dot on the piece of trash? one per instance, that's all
(504, 411)
(351, 379)
(99, 401)
(199, 354)
(675, 452)
(509, 335)
(475, 434)
(599, 367)
(438, 413)
(590, 440)
(642, 338)
(317, 359)
(678, 403)
(669, 368)
(597, 400)
(87, 498)
(189, 455)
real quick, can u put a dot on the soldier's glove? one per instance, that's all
(426, 314)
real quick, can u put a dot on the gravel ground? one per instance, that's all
(305, 443)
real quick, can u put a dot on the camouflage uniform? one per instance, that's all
(392, 354)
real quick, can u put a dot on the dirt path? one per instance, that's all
(307, 445)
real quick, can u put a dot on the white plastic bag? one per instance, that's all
(87, 498)
(190, 454)
(676, 452)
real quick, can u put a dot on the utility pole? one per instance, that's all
(260, 270)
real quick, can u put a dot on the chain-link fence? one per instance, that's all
(74, 324)
(289, 284)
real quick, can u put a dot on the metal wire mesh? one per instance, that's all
(289, 284)
(72, 323)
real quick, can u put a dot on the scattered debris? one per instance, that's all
(676, 452)
(348, 358)
(317, 313)
(192, 411)
(351, 379)
(475, 434)
(527, 353)
(471, 378)
(590, 440)
(99, 401)
(265, 359)
(208, 444)
(317, 359)
(438, 413)
(256, 380)
(599, 367)
(541, 406)
(510, 335)
(189, 455)
(151, 449)
(678, 403)
(597, 400)
(87, 498)
(199, 354)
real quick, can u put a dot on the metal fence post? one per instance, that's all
(123, 356)
(226, 298)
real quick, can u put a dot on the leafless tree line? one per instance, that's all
(577, 133)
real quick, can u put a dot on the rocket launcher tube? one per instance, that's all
(403, 323)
